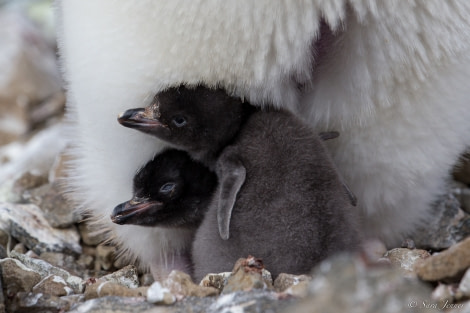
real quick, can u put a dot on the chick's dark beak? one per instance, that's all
(136, 212)
(143, 120)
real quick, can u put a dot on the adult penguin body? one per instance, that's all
(391, 77)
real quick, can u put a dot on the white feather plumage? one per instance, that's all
(394, 82)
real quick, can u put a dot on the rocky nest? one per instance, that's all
(51, 262)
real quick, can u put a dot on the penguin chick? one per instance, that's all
(198, 120)
(279, 195)
(171, 190)
(279, 198)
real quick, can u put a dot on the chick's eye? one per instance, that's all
(167, 188)
(179, 121)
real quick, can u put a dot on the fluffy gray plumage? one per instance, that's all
(279, 196)
(289, 208)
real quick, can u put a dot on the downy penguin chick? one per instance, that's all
(202, 130)
(279, 196)
(171, 190)
(196, 120)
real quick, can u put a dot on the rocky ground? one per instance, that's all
(50, 262)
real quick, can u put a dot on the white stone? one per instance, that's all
(156, 293)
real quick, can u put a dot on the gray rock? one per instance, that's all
(100, 288)
(62, 260)
(189, 304)
(53, 285)
(27, 224)
(58, 211)
(346, 284)
(404, 259)
(44, 303)
(292, 285)
(113, 304)
(449, 264)
(450, 225)
(17, 277)
(126, 277)
(256, 301)
(284, 281)
(45, 269)
(122, 283)
(215, 280)
(299, 290)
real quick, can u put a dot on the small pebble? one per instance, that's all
(215, 280)
(405, 259)
(107, 288)
(159, 295)
(248, 274)
(181, 285)
(126, 276)
(285, 281)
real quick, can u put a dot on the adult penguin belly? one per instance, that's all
(391, 79)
